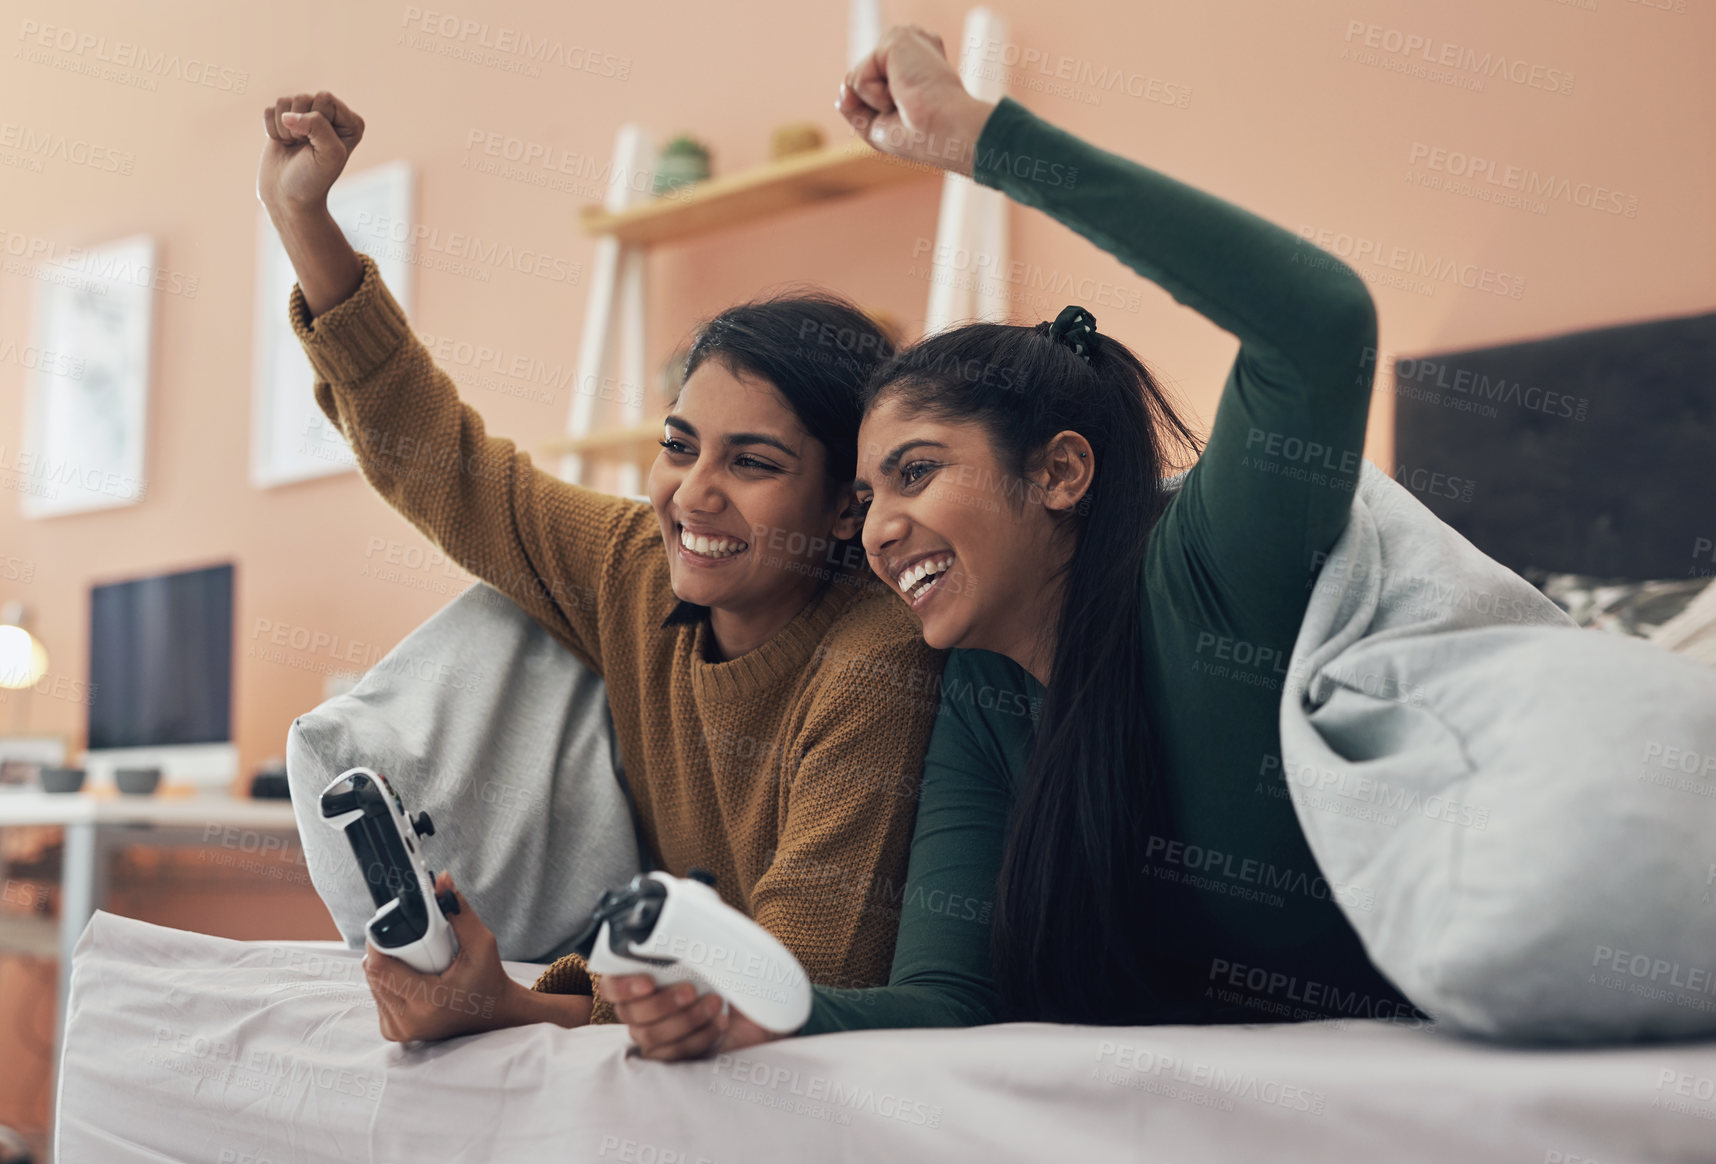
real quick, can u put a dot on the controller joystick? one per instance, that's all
(410, 921)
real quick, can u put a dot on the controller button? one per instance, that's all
(701, 875)
(424, 826)
(448, 902)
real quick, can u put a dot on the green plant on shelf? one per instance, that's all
(682, 161)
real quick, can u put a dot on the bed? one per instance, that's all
(186, 1047)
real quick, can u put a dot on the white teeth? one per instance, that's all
(709, 547)
(917, 573)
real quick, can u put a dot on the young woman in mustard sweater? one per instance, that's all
(738, 630)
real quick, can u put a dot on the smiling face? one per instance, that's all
(740, 489)
(974, 545)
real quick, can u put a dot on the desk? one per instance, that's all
(94, 824)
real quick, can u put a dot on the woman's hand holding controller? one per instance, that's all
(672, 1022)
(474, 994)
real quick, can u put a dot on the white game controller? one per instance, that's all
(410, 922)
(681, 931)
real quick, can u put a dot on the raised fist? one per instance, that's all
(905, 99)
(309, 139)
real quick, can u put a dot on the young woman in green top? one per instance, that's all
(1102, 809)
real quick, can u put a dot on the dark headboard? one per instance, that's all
(1587, 453)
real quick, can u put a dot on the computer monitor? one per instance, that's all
(160, 669)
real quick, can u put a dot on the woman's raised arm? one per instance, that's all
(310, 138)
(553, 547)
(1274, 486)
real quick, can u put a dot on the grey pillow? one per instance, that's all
(1526, 810)
(482, 720)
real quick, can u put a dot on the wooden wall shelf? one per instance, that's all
(629, 223)
(801, 180)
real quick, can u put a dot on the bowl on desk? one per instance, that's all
(61, 779)
(137, 781)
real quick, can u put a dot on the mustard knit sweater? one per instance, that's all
(789, 772)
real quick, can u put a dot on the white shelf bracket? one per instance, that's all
(614, 324)
(969, 263)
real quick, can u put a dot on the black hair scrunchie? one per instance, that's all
(1075, 327)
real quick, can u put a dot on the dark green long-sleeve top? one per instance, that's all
(1248, 928)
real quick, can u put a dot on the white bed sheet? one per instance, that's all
(184, 1047)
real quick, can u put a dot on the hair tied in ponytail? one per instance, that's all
(1075, 327)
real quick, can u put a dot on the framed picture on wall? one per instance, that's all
(290, 439)
(88, 393)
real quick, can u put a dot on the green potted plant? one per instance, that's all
(682, 161)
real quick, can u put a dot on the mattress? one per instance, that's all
(185, 1047)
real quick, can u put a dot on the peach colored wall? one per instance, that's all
(1275, 119)
(1280, 115)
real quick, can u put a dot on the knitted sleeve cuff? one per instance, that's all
(571, 975)
(353, 338)
(568, 975)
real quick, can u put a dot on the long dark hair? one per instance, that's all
(818, 350)
(1075, 846)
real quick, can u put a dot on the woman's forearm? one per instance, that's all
(328, 269)
(545, 543)
(1301, 308)
(309, 141)
(524, 1006)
